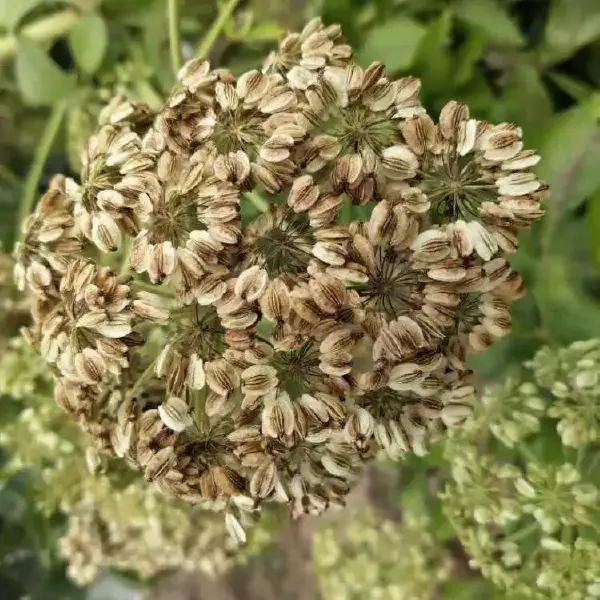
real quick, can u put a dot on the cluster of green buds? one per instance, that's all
(113, 519)
(254, 289)
(524, 493)
(367, 556)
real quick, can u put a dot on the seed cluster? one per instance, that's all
(238, 358)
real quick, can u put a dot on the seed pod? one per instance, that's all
(175, 414)
(160, 464)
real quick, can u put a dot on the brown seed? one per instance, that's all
(160, 464)
(328, 293)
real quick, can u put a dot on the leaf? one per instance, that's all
(478, 95)
(395, 43)
(492, 20)
(89, 40)
(571, 154)
(470, 52)
(40, 80)
(440, 526)
(524, 89)
(567, 312)
(434, 60)
(571, 25)
(12, 11)
(593, 223)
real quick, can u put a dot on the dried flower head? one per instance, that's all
(246, 125)
(238, 359)
(315, 47)
(352, 118)
(477, 172)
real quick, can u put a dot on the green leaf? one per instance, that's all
(567, 312)
(12, 11)
(571, 25)
(470, 52)
(492, 20)
(40, 80)
(395, 43)
(593, 223)
(434, 60)
(571, 154)
(523, 90)
(89, 40)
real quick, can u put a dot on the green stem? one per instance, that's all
(138, 383)
(174, 39)
(149, 95)
(155, 289)
(39, 160)
(213, 33)
(258, 201)
(45, 29)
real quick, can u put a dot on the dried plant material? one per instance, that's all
(239, 358)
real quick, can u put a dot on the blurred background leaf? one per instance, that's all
(394, 43)
(89, 39)
(492, 19)
(40, 80)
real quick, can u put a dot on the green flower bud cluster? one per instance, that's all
(573, 377)
(524, 488)
(368, 556)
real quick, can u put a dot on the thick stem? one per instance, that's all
(39, 160)
(213, 33)
(45, 29)
(174, 38)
